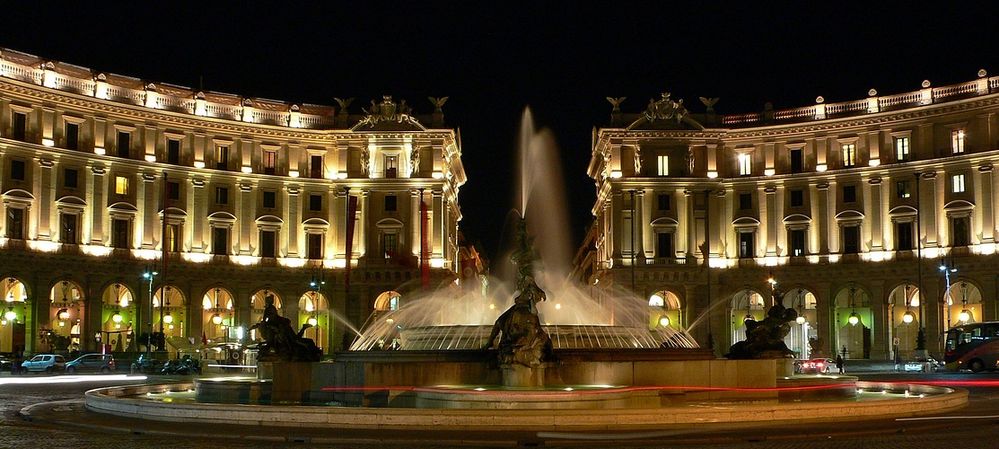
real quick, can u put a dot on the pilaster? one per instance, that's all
(875, 212)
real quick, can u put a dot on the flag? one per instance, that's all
(351, 212)
(424, 246)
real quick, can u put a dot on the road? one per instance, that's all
(977, 426)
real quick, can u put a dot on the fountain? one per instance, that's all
(550, 353)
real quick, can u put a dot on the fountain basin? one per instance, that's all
(142, 402)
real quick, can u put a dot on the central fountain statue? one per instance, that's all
(524, 345)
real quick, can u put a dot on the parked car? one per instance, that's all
(815, 366)
(102, 363)
(48, 363)
(6, 362)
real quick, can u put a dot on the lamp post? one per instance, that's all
(947, 269)
(921, 333)
(150, 275)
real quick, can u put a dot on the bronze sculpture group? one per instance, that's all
(765, 339)
(522, 339)
(281, 343)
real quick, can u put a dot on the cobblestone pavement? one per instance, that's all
(15, 432)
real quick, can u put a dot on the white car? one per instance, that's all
(48, 363)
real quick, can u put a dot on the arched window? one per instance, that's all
(388, 301)
(218, 315)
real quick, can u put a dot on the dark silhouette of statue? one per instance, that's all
(281, 343)
(765, 339)
(522, 339)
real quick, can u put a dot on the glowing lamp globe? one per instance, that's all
(854, 319)
(217, 319)
(964, 316)
(664, 321)
(312, 321)
(63, 314)
(908, 317)
(168, 318)
(800, 319)
(116, 317)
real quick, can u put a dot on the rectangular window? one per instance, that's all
(267, 241)
(220, 241)
(663, 201)
(222, 195)
(664, 245)
(17, 169)
(391, 203)
(957, 141)
(902, 190)
(849, 154)
(270, 199)
(851, 239)
(173, 151)
(391, 166)
(960, 235)
(745, 201)
(68, 228)
(119, 233)
(390, 245)
(315, 166)
(315, 203)
(124, 143)
(315, 247)
(797, 198)
(797, 160)
(797, 242)
(222, 157)
(173, 190)
(849, 194)
(15, 223)
(70, 178)
(903, 236)
(745, 245)
(72, 136)
(901, 149)
(745, 164)
(173, 237)
(662, 165)
(19, 126)
(120, 185)
(957, 184)
(270, 162)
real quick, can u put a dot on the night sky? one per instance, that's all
(561, 59)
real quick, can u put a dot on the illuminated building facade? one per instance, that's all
(836, 201)
(103, 174)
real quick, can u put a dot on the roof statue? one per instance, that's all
(709, 103)
(665, 109)
(388, 111)
(438, 103)
(616, 103)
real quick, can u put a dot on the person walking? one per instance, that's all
(839, 363)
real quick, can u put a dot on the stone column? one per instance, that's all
(414, 221)
(200, 218)
(688, 224)
(438, 225)
(147, 201)
(639, 222)
(44, 187)
(246, 218)
(930, 209)
(874, 208)
(986, 206)
(771, 220)
(363, 225)
(822, 216)
(98, 202)
(291, 206)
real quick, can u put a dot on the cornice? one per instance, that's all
(204, 124)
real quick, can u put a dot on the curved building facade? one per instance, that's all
(875, 216)
(226, 199)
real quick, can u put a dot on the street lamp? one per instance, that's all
(664, 321)
(947, 269)
(149, 275)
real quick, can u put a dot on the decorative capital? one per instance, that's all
(770, 190)
(985, 168)
(874, 180)
(822, 186)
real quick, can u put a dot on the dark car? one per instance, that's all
(98, 363)
(6, 362)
